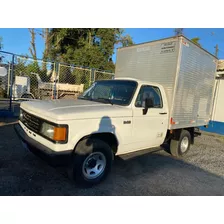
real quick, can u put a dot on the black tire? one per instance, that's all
(175, 145)
(83, 150)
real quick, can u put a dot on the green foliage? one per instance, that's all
(196, 41)
(91, 47)
(65, 75)
(71, 75)
(126, 41)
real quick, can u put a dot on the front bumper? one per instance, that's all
(45, 153)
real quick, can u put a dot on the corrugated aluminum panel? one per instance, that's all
(186, 72)
(193, 95)
(153, 61)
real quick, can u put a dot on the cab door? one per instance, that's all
(149, 129)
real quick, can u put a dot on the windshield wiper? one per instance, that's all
(105, 99)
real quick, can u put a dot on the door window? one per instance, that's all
(149, 92)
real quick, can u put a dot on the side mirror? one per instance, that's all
(148, 104)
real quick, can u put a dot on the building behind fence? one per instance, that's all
(38, 79)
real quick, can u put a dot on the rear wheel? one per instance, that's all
(91, 162)
(179, 148)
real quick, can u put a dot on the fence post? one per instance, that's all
(93, 75)
(55, 81)
(58, 75)
(8, 84)
(11, 83)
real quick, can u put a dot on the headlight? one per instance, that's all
(47, 130)
(53, 132)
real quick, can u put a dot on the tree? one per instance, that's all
(91, 47)
(46, 37)
(32, 47)
(196, 41)
(126, 40)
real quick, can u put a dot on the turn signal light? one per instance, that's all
(172, 121)
(60, 133)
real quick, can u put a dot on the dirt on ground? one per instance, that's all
(149, 172)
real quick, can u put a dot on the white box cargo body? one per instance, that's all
(186, 71)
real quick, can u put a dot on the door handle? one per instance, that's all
(163, 113)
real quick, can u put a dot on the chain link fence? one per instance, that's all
(72, 80)
(102, 75)
(27, 78)
(32, 78)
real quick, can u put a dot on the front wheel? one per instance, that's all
(91, 162)
(179, 148)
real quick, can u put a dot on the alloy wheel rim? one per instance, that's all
(94, 165)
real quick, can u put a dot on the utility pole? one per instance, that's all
(216, 50)
(178, 31)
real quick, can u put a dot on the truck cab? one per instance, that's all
(112, 117)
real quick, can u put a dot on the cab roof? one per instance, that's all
(139, 81)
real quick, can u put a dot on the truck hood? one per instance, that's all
(74, 109)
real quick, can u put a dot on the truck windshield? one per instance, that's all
(118, 92)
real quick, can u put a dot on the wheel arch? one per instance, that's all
(177, 132)
(108, 137)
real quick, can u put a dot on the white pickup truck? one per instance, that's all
(169, 94)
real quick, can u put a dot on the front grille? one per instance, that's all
(32, 122)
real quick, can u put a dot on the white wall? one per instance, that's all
(218, 110)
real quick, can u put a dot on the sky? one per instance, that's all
(17, 40)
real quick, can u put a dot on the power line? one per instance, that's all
(221, 50)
